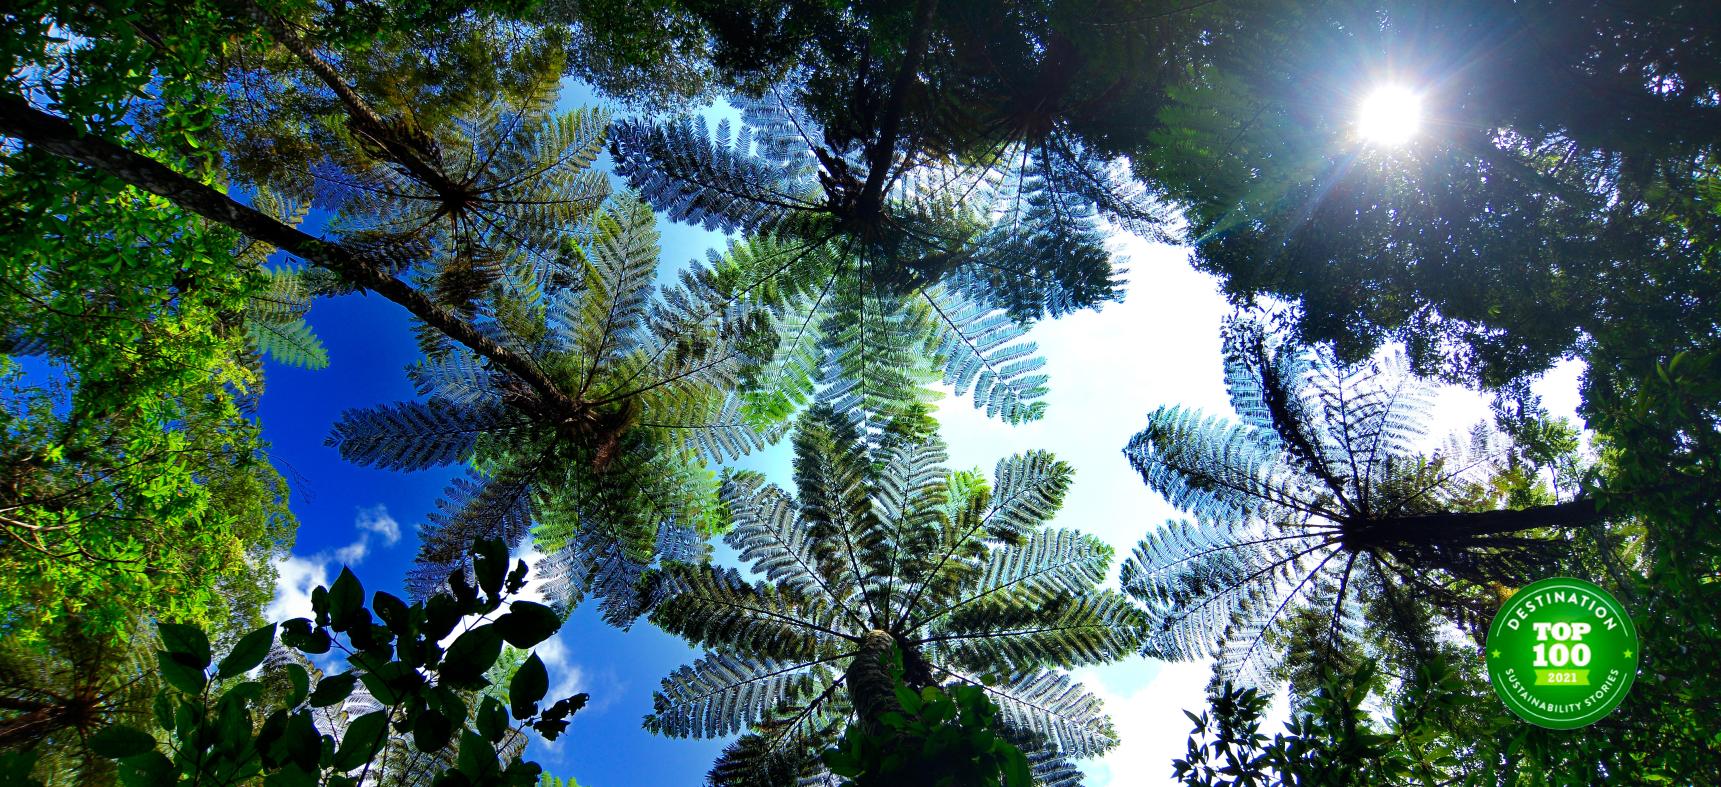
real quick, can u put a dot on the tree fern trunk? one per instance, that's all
(398, 145)
(869, 681)
(55, 135)
(1453, 526)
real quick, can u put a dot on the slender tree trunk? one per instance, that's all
(870, 687)
(878, 163)
(53, 134)
(366, 118)
(1454, 525)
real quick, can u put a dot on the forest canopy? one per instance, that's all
(899, 211)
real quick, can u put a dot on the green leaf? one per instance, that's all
(490, 564)
(363, 738)
(530, 683)
(118, 741)
(300, 680)
(492, 719)
(333, 689)
(187, 641)
(346, 598)
(394, 613)
(248, 653)
(466, 661)
(527, 623)
(431, 731)
(180, 675)
(149, 769)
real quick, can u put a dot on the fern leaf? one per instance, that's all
(416, 435)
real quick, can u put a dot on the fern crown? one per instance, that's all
(959, 572)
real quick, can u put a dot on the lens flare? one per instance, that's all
(1390, 115)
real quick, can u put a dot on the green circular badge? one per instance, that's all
(1562, 653)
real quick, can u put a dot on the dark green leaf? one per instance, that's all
(473, 653)
(492, 719)
(333, 689)
(180, 675)
(363, 737)
(527, 623)
(517, 577)
(346, 598)
(528, 686)
(431, 731)
(300, 680)
(186, 641)
(248, 653)
(489, 564)
(147, 770)
(118, 741)
(393, 611)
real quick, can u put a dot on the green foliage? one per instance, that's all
(616, 481)
(1524, 223)
(883, 541)
(937, 281)
(214, 723)
(940, 738)
(1316, 500)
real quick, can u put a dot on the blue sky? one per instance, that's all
(1108, 369)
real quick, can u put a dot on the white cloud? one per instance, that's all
(298, 575)
(376, 520)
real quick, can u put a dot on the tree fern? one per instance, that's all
(1316, 493)
(935, 283)
(613, 460)
(501, 191)
(881, 539)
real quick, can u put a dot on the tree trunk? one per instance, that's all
(55, 135)
(1459, 525)
(398, 146)
(33, 726)
(870, 686)
(884, 147)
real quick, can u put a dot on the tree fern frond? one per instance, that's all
(769, 535)
(1211, 468)
(1055, 706)
(1009, 628)
(722, 694)
(1028, 489)
(696, 175)
(289, 342)
(476, 507)
(981, 351)
(416, 435)
(717, 607)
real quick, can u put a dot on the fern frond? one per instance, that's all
(1007, 630)
(717, 607)
(981, 350)
(700, 176)
(1055, 706)
(289, 342)
(722, 694)
(476, 507)
(417, 435)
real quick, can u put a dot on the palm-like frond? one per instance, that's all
(938, 283)
(880, 537)
(1310, 497)
(603, 471)
(500, 192)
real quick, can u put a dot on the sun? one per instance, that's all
(1390, 115)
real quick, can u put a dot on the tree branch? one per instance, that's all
(878, 163)
(57, 136)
